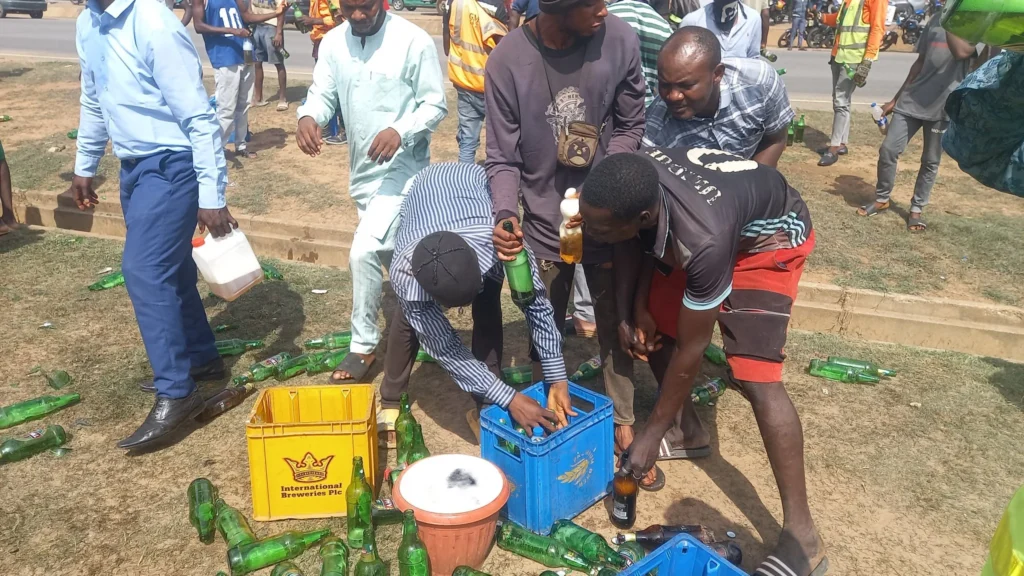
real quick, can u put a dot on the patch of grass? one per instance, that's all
(938, 475)
(972, 244)
(34, 72)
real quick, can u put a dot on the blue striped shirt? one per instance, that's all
(457, 197)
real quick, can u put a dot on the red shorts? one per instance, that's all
(754, 318)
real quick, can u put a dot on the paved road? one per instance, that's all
(808, 77)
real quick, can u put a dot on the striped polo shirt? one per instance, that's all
(653, 31)
(456, 197)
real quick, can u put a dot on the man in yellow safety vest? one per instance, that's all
(472, 28)
(861, 25)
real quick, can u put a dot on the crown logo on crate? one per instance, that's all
(310, 469)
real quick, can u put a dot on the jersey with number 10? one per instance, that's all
(223, 49)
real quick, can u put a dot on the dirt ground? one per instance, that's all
(895, 489)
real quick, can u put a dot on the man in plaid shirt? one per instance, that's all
(738, 105)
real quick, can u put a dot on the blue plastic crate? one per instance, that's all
(561, 475)
(683, 555)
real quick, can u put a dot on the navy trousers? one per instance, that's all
(160, 200)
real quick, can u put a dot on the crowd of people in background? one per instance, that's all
(660, 118)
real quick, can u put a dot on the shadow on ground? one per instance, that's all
(267, 139)
(19, 238)
(1008, 380)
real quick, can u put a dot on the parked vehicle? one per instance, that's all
(412, 5)
(33, 8)
(907, 26)
(777, 11)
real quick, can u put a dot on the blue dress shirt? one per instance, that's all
(142, 87)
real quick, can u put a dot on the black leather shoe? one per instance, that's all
(165, 417)
(213, 370)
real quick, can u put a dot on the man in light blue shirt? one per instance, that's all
(382, 73)
(142, 88)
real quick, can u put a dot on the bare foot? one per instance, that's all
(344, 375)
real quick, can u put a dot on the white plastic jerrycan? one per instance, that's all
(228, 264)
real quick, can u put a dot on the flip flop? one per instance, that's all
(872, 209)
(919, 221)
(261, 104)
(772, 566)
(354, 365)
(658, 484)
(667, 452)
(282, 107)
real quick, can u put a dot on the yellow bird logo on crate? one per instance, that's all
(579, 473)
(310, 469)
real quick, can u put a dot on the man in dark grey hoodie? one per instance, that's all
(563, 91)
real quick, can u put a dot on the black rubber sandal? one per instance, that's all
(668, 452)
(872, 209)
(355, 366)
(772, 566)
(919, 221)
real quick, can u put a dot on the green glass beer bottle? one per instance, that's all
(5, 118)
(769, 56)
(262, 553)
(232, 525)
(235, 346)
(225, 400)
(297, 14)
(359, 499)
(295, 366)
(262, 370)
(418, 451)
(781, 71)
(422, 356)
(715, 354)
(270, 272)
(631, 553)
(330, 341)
(73, 134)
(369, 563)
(589, 369)
(705, 393)
(403, 429)
(223, 328)
(542, 549)
(34, 409)
(790, 134)
(327, 363)
(838, 373)
(14, 449)
(520, 279)
(202, 509)
(861, 365)
(517, 374)
(412, 554)
(334, 557)
(112, 280)
(592, 546)
(286, 569)
(800, 126)
(467, 571)
(657, 534)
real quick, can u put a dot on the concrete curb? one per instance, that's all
(938, 323)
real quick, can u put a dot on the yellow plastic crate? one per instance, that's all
(301, 444)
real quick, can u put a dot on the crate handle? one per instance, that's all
(508, 447)
(581, 405)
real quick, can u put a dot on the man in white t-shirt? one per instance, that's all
(737, 27)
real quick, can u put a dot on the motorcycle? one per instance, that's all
(908, 25)
(777, 11)
(813, 23)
